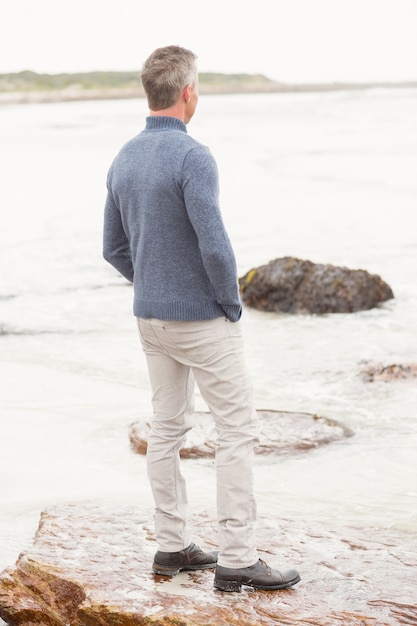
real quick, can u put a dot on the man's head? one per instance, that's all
(166, 73)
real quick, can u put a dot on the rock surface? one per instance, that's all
(90, 566)
(290, 285)
(396, 371)
(281, 433)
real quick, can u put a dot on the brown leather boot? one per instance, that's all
(191, 558)
(258, 576)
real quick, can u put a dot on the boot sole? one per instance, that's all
(163, 570)
(234, 585)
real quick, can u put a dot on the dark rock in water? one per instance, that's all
(387, 373)
(91, 566)
(281, 433)
(290, 285)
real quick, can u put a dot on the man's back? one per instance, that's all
(163, 198)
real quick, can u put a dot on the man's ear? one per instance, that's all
(187, 93)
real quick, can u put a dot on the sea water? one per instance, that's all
(329, 177)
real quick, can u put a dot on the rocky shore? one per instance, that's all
(91, 565)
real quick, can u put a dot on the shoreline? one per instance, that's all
(75, 93)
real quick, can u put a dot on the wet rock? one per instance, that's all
(396, 371)
(281, 433)
(290, 285)
(90, 566)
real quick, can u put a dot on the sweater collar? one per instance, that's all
(162, 122)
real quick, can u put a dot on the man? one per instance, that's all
(163, 231)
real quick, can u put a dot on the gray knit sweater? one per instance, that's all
(163, 229)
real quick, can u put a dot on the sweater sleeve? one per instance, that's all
(116, 248)
(201, 196)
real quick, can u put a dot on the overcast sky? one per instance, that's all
(287, 40)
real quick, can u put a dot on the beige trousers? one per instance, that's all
(211, 353)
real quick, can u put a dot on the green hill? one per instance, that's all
(28, 86)
(31, 81)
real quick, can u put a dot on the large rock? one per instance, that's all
(281, 433)
(90, 566)
(290, 285)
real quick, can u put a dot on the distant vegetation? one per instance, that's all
(28, 86)
(31, 81)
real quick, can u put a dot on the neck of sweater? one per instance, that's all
(162, 122)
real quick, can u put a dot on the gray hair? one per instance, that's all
(165, 73)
